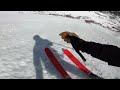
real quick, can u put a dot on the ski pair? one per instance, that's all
(62, 71)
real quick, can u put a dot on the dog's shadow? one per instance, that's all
(43, 66)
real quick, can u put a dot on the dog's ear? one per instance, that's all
(74, 34)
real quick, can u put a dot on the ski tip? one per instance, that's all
(46, 49)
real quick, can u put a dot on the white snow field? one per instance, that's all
(24, 35)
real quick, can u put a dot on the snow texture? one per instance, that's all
(24, 35)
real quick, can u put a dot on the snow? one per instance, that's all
(25, 34)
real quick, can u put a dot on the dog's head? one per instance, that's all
(65, 36)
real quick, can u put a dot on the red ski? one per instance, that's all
(57, 65)
(80, 65)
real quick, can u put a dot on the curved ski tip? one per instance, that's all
(46, 49)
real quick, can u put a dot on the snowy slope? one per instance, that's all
(106, 20)
(24, 35)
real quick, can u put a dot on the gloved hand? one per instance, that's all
(65, 36)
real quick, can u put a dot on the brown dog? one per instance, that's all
(66, 34)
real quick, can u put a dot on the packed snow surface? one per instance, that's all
(25, 34)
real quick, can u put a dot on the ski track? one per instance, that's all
(22, 51)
